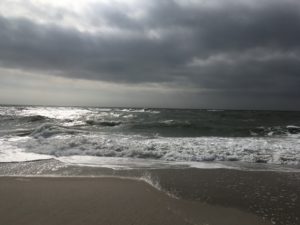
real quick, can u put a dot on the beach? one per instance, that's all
(40, 193)
(81, 165)
(33, 200)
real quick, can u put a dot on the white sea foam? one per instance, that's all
(118, 163)
(96, 137)
(59, 142)
(292, 127)
(113, 162)
(139, 110)
(9, 152)
(62, 113)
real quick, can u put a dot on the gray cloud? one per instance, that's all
(237, 47)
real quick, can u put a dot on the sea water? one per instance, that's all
(130, 137)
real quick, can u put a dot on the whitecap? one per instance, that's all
(200, 149)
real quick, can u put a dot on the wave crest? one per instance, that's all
(259, 150)
(48, 130)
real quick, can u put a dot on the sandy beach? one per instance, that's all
(76, 201)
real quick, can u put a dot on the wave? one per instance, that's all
(257, 150)
(293, 129)
(22, 119)
(36, 118)
(103, 123)
(180, 123)
(171, 135)
(196, 128)
(48, 130)
(118, 163)
(151, 122)
(59, 113)
(10, 152)
(140, 110)
(275, 131)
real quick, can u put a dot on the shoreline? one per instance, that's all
(106, 200)
(269, 195)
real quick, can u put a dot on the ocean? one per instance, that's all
(130, 137)
(246, 160)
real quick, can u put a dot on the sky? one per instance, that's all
(234, 54)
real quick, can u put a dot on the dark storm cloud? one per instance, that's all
(230, 47)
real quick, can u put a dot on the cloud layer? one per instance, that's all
(221, 49)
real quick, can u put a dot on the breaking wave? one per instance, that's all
(268, 137)
(140, 110)
(48, 140)
(48, 129)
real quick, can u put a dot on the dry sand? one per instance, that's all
(91, 201)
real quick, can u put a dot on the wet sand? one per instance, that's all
(272, 195)
(74, 201)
